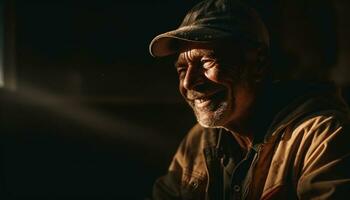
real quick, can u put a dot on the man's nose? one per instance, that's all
(194, 77)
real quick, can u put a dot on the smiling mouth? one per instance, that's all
(215, 98)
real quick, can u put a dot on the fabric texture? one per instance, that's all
(213, 20)
(304, 154)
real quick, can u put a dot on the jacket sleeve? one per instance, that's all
(168, 187)
(325, 172)
(177, 184)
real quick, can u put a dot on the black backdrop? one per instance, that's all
(94, 116)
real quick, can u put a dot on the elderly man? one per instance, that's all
(256, 138)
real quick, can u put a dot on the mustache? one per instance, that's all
(204, 90)
(191, 95)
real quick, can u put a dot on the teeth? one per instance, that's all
(201, 100)
(205, 100)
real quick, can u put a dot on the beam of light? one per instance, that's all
(115, 127)
(2, 46)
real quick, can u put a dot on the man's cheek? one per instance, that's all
(182, 90)
(212, 74)
(222, 75)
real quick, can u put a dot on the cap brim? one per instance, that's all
(177, 40)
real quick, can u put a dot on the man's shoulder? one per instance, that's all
(324, 123)
(311, 101)
(322, 112)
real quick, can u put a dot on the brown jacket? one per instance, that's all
(305, 154)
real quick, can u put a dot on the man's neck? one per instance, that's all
(243, 134)
(252, 128)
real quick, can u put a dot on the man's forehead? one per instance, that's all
(195, 52)
(208, 49)
(192, 55)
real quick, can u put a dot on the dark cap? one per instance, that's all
(209, 21)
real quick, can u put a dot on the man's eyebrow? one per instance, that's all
(181, 61)
(210, 53)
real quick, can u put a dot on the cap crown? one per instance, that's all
(211, 21)
(231, 16)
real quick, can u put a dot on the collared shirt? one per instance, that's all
(236, 163)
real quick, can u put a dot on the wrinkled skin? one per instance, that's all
(219, 82)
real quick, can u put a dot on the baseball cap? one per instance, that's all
(209, 21)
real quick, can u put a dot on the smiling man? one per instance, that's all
(256, 138)
(214, 91)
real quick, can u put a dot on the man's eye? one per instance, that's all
(208, 63)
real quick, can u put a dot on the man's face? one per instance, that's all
(217, 83)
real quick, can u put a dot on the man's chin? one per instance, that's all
(209, 124)
(205, 124)
(211, 116)
(209, 120)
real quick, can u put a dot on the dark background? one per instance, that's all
(87, 113)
